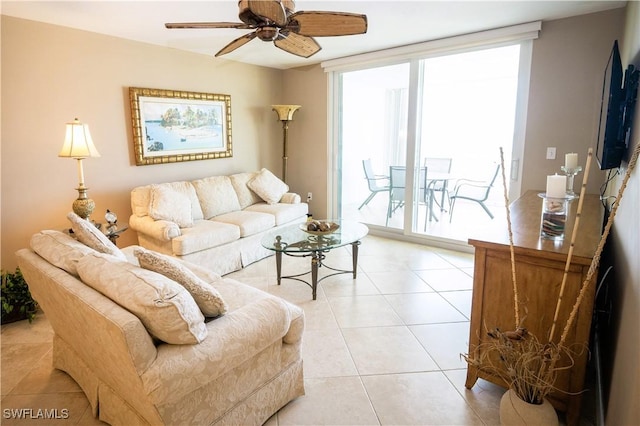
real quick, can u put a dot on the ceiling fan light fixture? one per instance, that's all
(267, 33)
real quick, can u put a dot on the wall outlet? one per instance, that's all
(309, 196)
(551, 153)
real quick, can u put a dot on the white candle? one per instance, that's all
(571, 161)
(556, 186)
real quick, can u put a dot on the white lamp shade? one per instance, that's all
(285, 112)
(78, 142)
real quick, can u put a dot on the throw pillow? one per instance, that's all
(216, 195)
(59, 249)
(290, 198)
(166, 309)
(206, 297)
(246, 196)
(168, 204)
(87, 233)
(268, 186)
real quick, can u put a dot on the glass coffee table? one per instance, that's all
(294, 241)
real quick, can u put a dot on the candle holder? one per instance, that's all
(554, 216)
(570, 172)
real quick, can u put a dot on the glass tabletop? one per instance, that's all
(293, 239)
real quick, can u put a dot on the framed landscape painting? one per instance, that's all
(171, 126)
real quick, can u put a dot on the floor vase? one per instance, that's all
(514, 411)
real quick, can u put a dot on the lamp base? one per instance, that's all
(83, 206)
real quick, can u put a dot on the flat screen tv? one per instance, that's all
(610, 146)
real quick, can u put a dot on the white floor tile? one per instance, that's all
(418, 399)
(444, 342)
(385, 350)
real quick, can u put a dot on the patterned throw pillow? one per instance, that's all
(166, 309)
(168, 204)
(207, 298)
(246, 196)
(216, 195)
(268, 186)
(87, 233)
(59, 249)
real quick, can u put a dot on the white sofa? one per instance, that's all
(216, 222)
(111, 319)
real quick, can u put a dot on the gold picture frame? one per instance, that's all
(171, 126)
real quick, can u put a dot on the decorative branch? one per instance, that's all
(511, 250)
(574, 234)
(596, 257)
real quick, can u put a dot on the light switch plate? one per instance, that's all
(551, 153)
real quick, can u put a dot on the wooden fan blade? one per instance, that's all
(238, 25)
(297, 44)
(240, 41)
(327, 24)
(257, 11)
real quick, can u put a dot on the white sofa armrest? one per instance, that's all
(290, 198)
(233, 339)
(161, 230)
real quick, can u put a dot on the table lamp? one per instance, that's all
(285, 114)
(79, 145)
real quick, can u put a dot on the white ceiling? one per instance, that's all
(391, 23)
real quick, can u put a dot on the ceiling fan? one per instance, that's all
(293, 32)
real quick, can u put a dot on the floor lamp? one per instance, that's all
(285, 114)
(79, 145)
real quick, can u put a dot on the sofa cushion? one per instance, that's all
(249, 222)
(268, 186)
(283, 213)
(165, 308)
(206, 297)
(246, 196)
(203, 235)
(168, 203)
(216, 195)
(141, 198)
(87, 233)
(60, 249)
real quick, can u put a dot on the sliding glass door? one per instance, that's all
(411, 133)
(467, 113)
(373, 139)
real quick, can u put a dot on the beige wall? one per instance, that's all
(308, 152)
(51, 74)
(564, 97)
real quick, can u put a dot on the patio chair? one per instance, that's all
(439, 166)
(397, 178)
(473, 190)
(376, 183)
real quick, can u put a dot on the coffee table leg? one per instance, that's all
(354, 253)
(315, 261)
(279, 265)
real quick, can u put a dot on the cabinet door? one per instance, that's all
(538, 285)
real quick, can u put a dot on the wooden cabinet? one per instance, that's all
(540, 265)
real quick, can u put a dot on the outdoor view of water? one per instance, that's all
(164, 139)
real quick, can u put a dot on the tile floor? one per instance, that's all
(381, 349)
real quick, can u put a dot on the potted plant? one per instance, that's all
(17, 303)
(527, 364)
